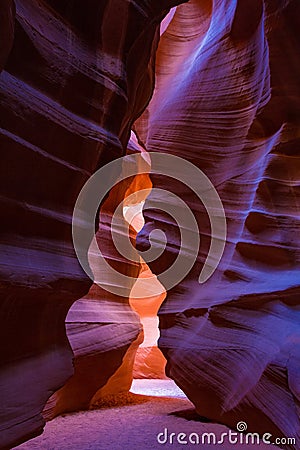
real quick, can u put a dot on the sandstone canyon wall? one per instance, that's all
(103, 331)
(75, 76)
(227, 99)
(74, 80)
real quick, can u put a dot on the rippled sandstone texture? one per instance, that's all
(103, 330)
(227, 99)
(70, 87)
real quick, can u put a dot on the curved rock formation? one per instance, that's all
(103, 330)
(74, 80)
(72, 85)
(227, 99)
(149, 361)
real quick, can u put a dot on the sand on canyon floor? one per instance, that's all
(134, 422)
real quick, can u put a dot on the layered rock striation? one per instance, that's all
(74, 78)
(227, 100)
(103, 331)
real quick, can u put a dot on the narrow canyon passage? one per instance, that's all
(154, 411)
(149, 360)
(121, 329)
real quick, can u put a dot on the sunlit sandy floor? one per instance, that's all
(157, 388)
(134, 426)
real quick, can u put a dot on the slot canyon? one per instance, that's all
(212, 85)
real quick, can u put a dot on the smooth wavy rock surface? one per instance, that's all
(103, 330)
(74, 78)
(227, 99)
